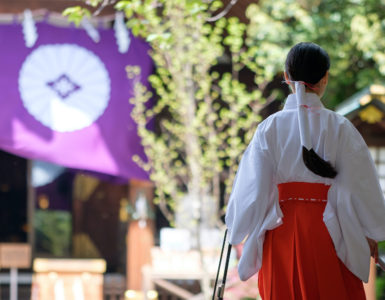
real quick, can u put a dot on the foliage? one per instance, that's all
(351, 31)
(380, 280)
(53, 232)
(211, 115)
(76, 14)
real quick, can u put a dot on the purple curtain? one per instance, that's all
(66, 99)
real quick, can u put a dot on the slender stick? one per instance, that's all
(219, 265)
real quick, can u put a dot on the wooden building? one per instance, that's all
(366, 110)
(73, 214)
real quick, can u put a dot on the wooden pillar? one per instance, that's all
(370, 287)
(140, 238)
(30, 208)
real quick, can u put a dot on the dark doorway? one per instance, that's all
(13, 198)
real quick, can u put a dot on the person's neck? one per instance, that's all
(309, 91)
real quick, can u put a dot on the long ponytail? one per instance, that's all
(316, 164)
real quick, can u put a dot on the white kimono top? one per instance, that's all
(355, 207)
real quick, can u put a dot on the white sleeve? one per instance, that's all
(250, 199)
(357, 174)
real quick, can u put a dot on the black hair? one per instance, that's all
(308, 62)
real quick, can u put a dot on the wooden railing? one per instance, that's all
(24, 286)
(113, 288)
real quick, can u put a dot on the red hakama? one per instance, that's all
(299, 260)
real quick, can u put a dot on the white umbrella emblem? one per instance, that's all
(64, 86)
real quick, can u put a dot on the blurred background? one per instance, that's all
(122, 123)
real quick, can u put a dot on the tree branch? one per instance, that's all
(223, 12)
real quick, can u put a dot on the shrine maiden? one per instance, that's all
(306, 196)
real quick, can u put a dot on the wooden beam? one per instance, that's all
(18, 6)
(139, 239)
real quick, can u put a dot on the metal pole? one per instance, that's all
(13, 284)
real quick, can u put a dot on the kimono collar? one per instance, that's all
(310, 99)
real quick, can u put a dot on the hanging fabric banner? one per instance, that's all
(65, 100)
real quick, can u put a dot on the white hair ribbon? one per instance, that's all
(303, 115)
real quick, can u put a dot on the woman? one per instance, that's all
(306, 195)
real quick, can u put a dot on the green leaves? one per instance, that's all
(76, 14)
(94, 3)
(163, 40)
(351, 33)
(195, 7)
(129, 6)
(215, 5)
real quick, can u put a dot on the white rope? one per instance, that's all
(121, 33)
(29, 29)
(91, 30)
